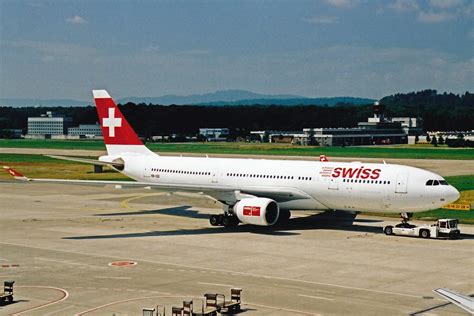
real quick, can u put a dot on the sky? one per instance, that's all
(63, 49)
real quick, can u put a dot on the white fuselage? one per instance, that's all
(352, 186)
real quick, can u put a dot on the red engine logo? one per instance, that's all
(356, 173)
(251, 210)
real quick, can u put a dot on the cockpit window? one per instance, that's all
(437, 182)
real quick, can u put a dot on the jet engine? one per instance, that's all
(257, 211)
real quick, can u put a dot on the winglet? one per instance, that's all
(15, 174)
(323, 158)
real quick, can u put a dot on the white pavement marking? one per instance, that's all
(72, 263)
(227, 271)
(128, 300)
(316, 297)
(216, 284)
(59, 310)
(292, 311)
(116, 278)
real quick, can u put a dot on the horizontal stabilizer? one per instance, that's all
(116, 164)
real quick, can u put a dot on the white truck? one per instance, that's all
(445, 227)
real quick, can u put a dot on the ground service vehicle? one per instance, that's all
(7, 295)
(443, 228)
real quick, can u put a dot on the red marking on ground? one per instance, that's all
(64, 297)
(122, 263)
(10, 265)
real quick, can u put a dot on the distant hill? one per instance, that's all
(218, 98)
(42, 102)
(295, 101)
(224, 96)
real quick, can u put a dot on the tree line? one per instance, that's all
(441, 112)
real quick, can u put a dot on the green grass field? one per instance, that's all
(402, 151)
(37, 166)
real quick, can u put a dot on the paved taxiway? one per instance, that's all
(56, 242)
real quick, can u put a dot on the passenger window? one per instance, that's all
(429, 182)
(442, 224)
(435, 182)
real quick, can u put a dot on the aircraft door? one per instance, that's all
(146, 169)
(333, 183)
(215, 174)
(146, 172)
(402, 181)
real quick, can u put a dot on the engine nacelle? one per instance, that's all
(257, 211)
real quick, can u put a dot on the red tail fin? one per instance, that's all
(115, 128)
(119, 136)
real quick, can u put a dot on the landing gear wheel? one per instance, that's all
(226, 221)
(214, 220)
(388, 230)
(230, 221)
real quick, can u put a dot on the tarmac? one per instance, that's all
(59, 242)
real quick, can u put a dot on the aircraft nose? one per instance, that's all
(453, 194)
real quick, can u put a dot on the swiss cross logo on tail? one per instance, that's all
(112, 122)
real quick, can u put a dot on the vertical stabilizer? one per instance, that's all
(119, 136)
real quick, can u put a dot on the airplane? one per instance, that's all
(260, 191)
(463, 301)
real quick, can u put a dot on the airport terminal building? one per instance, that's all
(47, 125)
(85, 130)
(377, 130)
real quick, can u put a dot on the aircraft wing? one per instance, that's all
(463, 301)
(221, 193)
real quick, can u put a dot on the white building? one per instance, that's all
(214, 134)
(87, 130)
(47, 125)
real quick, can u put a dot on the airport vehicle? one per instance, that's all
(7, 295)
(443, 228)
(259, 191)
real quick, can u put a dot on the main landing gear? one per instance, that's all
(226, 220)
